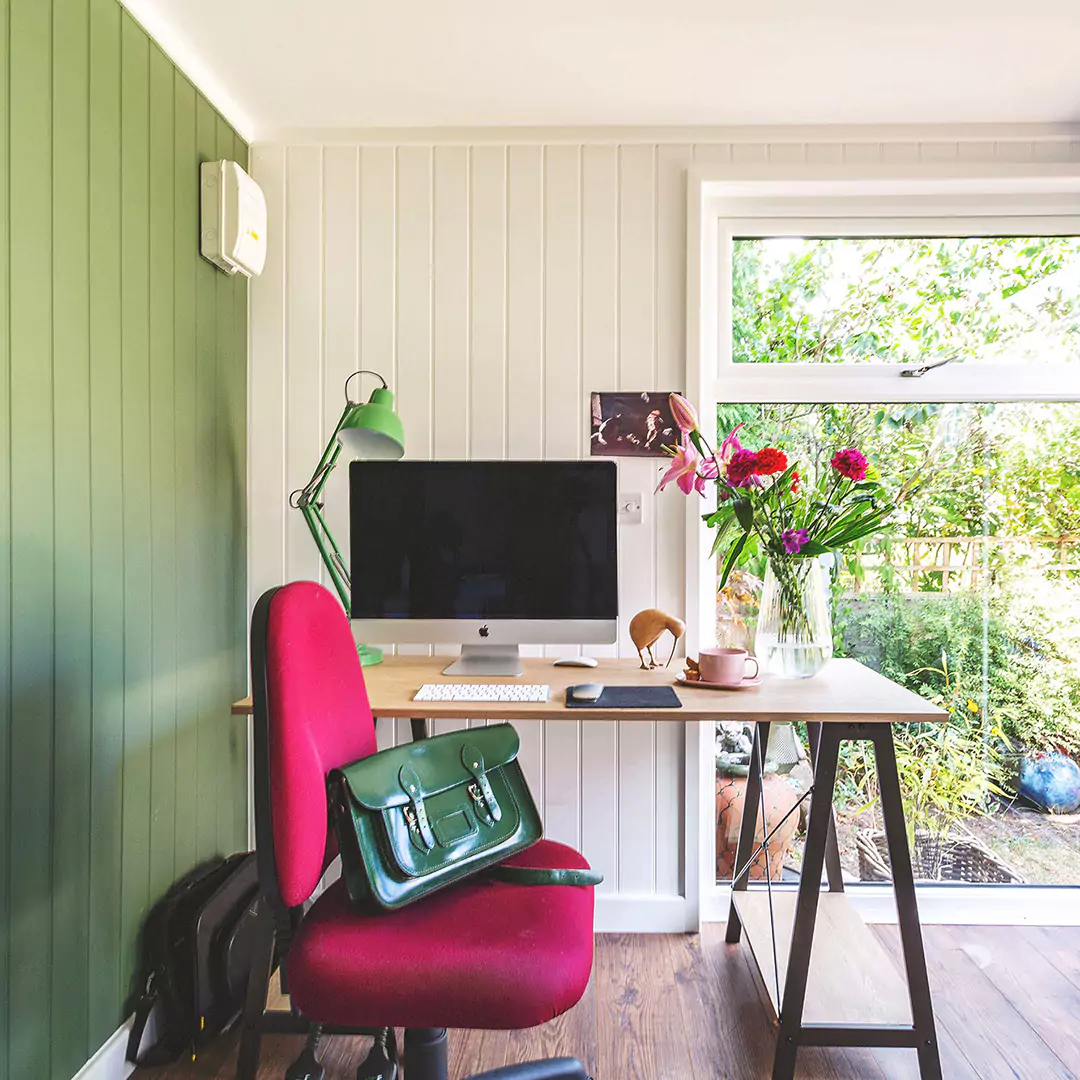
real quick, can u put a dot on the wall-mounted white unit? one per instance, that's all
(233, 225)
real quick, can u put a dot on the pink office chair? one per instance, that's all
(482, 954)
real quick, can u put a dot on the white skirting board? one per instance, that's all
(110, 1061)
(644, 915)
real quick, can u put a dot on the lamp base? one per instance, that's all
(369, 655)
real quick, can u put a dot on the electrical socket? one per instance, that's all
(630, 512)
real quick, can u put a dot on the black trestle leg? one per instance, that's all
(426, 1054)
(833, 870)
(817, 833)
(748, 827)
(892, 811)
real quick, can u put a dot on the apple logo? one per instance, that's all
(484, 631)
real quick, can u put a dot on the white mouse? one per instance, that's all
(588, 691)
(575, 661)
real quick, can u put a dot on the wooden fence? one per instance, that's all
(949, 564)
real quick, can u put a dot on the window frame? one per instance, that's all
(728, 202)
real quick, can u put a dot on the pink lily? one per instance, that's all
(683, 413)
(684, 469)
(730, 446)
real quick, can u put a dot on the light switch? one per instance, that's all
(629, 508)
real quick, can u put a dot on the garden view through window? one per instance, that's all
(971, 595)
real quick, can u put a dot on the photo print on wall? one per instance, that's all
(632, 424)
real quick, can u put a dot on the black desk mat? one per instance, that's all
(630, 697)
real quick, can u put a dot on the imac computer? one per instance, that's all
(489, 555)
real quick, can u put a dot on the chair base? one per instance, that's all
(426, 1054)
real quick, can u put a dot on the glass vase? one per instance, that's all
(794, 630)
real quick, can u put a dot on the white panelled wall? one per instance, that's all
(495, 285)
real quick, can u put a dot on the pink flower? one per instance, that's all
(795, 540)
(741, 468)
(683, 470)
(683, 413)
(850, 463)
(770, 460)
(729, 447)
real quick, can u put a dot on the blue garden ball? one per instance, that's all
(1051, 781)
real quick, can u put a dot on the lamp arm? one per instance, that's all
(331, 555)
(312, 491)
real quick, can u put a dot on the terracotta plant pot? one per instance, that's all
(781, 794)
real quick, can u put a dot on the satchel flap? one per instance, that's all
(437, 763)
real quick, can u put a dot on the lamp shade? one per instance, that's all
(373, 431)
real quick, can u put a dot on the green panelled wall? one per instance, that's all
(123, 359)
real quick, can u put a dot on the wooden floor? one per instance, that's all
(681, 1007)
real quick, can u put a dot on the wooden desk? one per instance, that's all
(845, 691)
(848, 993)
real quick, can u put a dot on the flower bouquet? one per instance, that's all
(794, 516)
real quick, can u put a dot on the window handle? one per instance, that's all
(919, 372)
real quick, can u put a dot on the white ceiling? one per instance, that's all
(356, 63)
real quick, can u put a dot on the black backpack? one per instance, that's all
(196, 950)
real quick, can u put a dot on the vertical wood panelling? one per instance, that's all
(5, 539)
(668, 521)
(497, 286)
(525, 356)
(487, 303)
(637, 369)
(599, 361)
(304, 338)
(122, 605)
(413, 354)
(29, 815)
(341, 320)
(189, 489)
(450, 311)
(106, 524)
(228, 489)
(378, 281)
(562, 417)
(135, 407)
(450, 304)
(74, 636)
(163, 471)
(266, 392)
(525, 302)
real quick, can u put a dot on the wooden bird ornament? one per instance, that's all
(645, 630)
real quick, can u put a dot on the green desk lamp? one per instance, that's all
(368, 430)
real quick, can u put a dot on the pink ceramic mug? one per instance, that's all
(726, 666)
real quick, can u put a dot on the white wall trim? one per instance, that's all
(110, 1061)
(674, 134)
(628, 914)
(172, 43)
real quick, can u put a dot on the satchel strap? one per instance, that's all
(527, 875)
(410, 784)
(473, 761)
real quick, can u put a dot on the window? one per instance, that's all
(814, 304)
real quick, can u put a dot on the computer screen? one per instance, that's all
(483, 540)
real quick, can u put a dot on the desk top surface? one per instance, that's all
(843, 691)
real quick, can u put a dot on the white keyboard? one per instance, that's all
(482, 692)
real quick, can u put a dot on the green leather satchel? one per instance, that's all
(421, 816)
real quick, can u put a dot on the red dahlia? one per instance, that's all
(770, 460)
(850, 463)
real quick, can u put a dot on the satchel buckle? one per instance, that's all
(482, 811)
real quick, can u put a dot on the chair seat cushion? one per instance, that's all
(480, 954)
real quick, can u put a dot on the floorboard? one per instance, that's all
(691, 1007)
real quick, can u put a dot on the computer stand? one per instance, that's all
(499, 660)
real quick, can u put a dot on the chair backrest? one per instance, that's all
(311, 715)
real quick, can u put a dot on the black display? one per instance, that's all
(483, 540)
